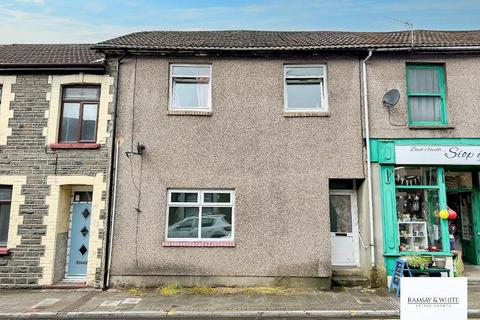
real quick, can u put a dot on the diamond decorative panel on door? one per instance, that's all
(79, 236)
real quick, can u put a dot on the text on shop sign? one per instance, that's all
(459, 155)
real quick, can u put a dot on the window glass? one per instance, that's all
(304, 96)
(418, 220)
(458, 180)
(216, 197)
(185, 208)
(184, 197)
(190, 95)
(5, 193)
(425, 109)
(4, 222)
(415, 176)
(70, 117)
(190, 87)
(340, 213)
(423, 80)
(183, 222)
(82, 196)
(426, 95)
(81, 93)
(191, 71)
(89, 122)
(304, 88)
(304, 72)
(5, 198)
(79, 114)
(220, 222)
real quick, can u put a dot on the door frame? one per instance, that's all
(355, 227)
(475, 202)
(67, 277)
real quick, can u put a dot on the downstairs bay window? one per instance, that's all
(200, 215)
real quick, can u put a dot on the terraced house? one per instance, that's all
(246, 157)
(231, 146)
(239, 158)
(55, 124)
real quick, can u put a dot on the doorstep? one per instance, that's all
(66, 285)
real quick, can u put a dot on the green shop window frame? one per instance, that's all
(389, 216)
(441, 94)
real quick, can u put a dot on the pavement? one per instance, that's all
(341, 303)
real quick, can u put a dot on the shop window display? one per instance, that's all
(418, 209)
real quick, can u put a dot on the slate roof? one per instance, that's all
(241, 40)
(49, 55)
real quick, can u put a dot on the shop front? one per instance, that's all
(430, 199)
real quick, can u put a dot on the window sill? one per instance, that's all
(4, 251)
(431, 127)
(294, 114)
(188, 113)
(198, 244)
(74, 146)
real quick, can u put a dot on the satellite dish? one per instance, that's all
(391, 98)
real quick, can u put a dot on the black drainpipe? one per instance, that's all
(108, 234)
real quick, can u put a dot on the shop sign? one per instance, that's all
(439, 298)
(447, 155)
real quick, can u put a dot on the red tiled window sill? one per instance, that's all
(4, 251)
(74, 145)
(198, 244)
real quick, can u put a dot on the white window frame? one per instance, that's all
(171, 91)
(200, 204)
(323, 93)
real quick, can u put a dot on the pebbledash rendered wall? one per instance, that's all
(37, 234)
(388, 71)
(279, 167)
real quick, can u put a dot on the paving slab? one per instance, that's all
(119, 304)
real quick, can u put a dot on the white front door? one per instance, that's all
(344, 227)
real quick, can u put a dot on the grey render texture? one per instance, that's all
(279, 167)
(25, 154)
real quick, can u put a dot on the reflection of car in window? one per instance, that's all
(213, 226)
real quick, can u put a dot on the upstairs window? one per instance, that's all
(5, 202)
(79, 114)
(190, 87)
(305, 88)
(426, 95)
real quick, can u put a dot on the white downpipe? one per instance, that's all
(369, 169)
(112, 222)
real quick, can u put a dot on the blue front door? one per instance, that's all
(79, 235)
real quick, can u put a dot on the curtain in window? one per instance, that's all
(424, 108)
(202, 95)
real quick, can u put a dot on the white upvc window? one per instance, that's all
(190, 87)
(305, 88)
(199, 215)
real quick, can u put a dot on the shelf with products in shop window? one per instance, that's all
(417, 201)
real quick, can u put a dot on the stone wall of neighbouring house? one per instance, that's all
(25, 164)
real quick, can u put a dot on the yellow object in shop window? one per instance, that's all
(443, 214)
